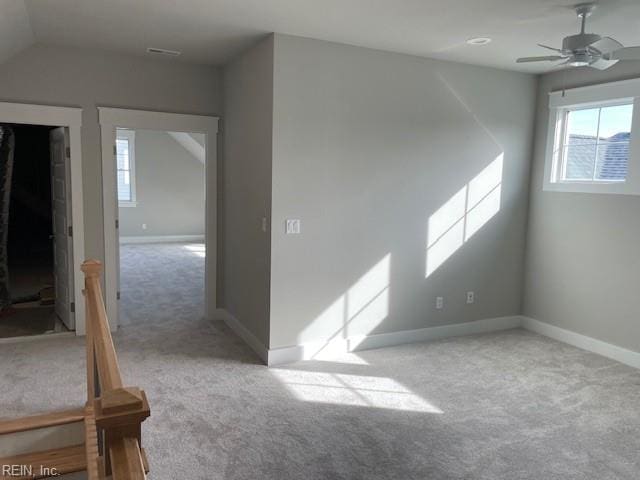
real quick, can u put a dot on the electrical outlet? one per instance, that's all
(292, 226)
(471, 297)
(439, 303)
(144, 226)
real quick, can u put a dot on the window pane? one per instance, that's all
(582, 126)
(124, 187)
(579, 161)
(122, 153)
(613, 158)
(615, 123)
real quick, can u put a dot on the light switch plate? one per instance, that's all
(292, 226)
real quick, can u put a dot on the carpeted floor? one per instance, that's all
(510, 405)
(161, 281)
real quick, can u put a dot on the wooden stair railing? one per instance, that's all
(112, 416)
(116, 412)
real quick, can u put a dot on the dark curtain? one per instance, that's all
(7, 144)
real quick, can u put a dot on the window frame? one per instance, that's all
(594, 96)
(130, 136)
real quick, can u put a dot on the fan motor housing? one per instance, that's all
(579, 42)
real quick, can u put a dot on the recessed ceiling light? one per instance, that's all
(163, 51)
(479, 41)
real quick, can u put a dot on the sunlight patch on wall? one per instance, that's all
(368, 299)
(352, 390)
(197, 249)
(360, 309)
(466, 212)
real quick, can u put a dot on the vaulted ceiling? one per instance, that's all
(213, 31)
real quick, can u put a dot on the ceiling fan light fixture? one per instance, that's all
(580, 60)
(478, 41)
(578, 63)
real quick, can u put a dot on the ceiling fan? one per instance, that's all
(587, 49)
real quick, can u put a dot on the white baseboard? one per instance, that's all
(37, 338)
(162, 239)
(622, 355)
(317, 350)
(307, 351)
(240, 330)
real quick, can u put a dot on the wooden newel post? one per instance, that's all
(91, 268)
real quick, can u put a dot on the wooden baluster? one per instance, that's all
(90, 268)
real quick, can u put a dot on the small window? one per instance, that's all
(125, 167)
(593, 140)
(595, 144)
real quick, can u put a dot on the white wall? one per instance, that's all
(367, 146)
(169, 189)
(86, 78)
(246, 188)
(583, 267)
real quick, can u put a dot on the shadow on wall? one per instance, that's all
(365, 304)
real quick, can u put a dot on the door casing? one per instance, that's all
(71, 118)
(112, 118)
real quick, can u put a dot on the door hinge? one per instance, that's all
(68, 152)
(117, 223)
(70, 230)
(115, 150)
(118, 295)
(72, 307)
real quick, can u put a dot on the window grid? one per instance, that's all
(598, 142)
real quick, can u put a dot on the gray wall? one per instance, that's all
(583, 267)
(246, 188)
(367, 146)
(169, 189)
(87, 78)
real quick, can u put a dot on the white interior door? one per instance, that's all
(62, 230)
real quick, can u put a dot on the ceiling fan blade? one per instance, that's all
(627, 53)
(603, 64)
(551, 58)
(550, 48)
(606, 45)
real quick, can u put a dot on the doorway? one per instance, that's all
(161, 225)
(193, 129)
(37, 250)
(70, 120)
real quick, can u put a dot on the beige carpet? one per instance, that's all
(511, 405)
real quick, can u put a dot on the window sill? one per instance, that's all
(609, 188)
(127, 204)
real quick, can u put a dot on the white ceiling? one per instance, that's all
(213, 31)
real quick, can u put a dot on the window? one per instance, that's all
(125, 164)
(592, 145)
(595, 144)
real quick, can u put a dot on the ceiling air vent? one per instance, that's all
(163, 51)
